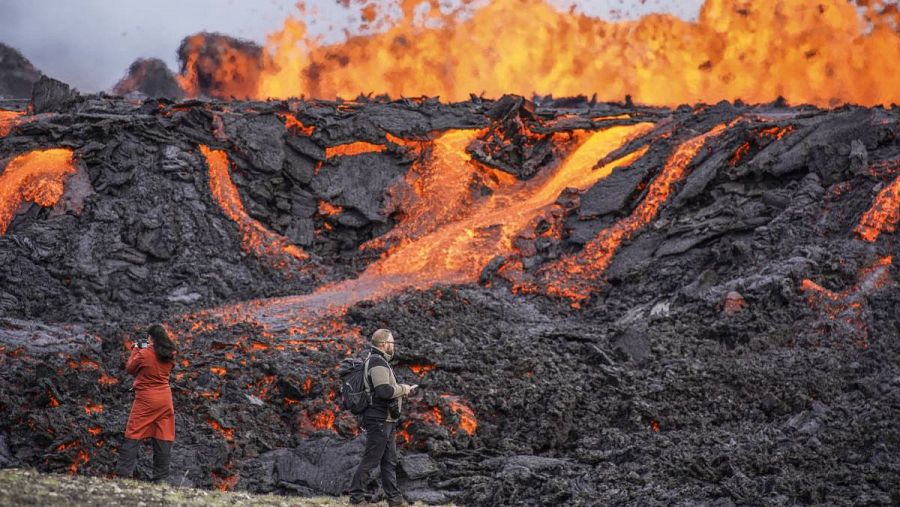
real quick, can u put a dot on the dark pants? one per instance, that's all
(381, 449)
(162, 453)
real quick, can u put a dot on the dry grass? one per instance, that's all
(27, 487)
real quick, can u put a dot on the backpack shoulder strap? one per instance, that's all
(366, 374)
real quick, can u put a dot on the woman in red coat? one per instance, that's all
(152, 414)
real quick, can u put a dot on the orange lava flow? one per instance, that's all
(8, 120)
(256, 237)
(448, 237)
(440, 185)
(354, 148)
(825, 53)
(38, 176)
(882, 217)
(408, 143)
(571, 276)
(473, 234)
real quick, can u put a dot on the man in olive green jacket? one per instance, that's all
(379, 421)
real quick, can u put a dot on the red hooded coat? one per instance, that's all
(152, 414)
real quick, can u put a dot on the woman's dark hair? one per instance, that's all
(162, 344)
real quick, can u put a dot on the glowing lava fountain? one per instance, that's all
(826, 53)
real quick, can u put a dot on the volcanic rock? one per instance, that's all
(359, 182)
(51, 96)
(418, 466)
(632, 345)
(17, 74)
(320, 465)
(510, 145)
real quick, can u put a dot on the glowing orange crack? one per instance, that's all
(81, 458)
(227, 433)
(882, 217)
(225, 482)
(38, 176)
(292, 123)
(93, 408)
(354, 148)
(67, 445)
(328, 209)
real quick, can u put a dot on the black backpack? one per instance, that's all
(355, 393)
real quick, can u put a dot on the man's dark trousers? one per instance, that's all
(381, 449)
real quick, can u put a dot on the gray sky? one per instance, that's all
(90, 43)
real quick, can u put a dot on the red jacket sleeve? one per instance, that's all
(135, 361)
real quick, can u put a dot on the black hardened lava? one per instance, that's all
(739, 347)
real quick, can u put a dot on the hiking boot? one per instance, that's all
(357, 501)
(397, 502)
